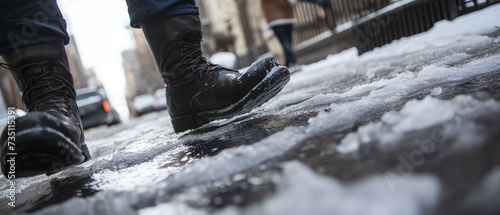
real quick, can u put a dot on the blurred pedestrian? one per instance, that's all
(280, 18)
(50, 137)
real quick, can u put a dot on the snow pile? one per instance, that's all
(302, 191)
(457, 115)
(172, 208)
(373, 97)
(405, 64)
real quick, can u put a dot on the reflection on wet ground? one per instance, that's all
(53, 191)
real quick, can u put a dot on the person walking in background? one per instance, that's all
(50, 137)
(280, 18)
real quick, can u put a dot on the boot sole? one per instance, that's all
(42, 151)
(271, 85)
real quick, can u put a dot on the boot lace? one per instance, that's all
(192, 56)
(45, 89)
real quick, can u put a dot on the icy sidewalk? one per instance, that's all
(409, 128)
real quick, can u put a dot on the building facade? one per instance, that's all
(76, 65)
(141, 72)
(240, 18)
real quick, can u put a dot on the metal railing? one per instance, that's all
(467, 6)
(314, 19)
(409, 18)
(406, 18)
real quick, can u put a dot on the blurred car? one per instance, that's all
(94, 108)
(144, 103)
(161, 99)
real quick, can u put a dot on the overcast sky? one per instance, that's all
(100, 31)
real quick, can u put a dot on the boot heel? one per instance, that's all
(85, 152)
(186, 122)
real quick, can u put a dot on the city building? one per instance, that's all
(141, 72)
(132, 70)
(234, 18)
(150, 77)
(76, 65)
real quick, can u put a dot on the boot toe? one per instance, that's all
(41, 146)
(260, 69)
(242, 99)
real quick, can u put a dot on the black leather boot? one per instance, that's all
(199, 91)
(50, 137)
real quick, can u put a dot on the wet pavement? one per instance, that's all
(403, 129)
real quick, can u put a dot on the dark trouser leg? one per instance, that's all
(146, 10)
(28, 22)
(284, 34)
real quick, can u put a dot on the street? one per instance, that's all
(408, 128)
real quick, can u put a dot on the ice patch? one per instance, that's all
(422, 114)
(141, 175)
(329, 68)
(242, 158)
(23, 183)
(302, 191)
(101, 203)
(289, 99)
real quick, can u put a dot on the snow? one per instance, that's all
(421, 114)
(302, 191)
(242, 158)
(171, 208)
(144, 164)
